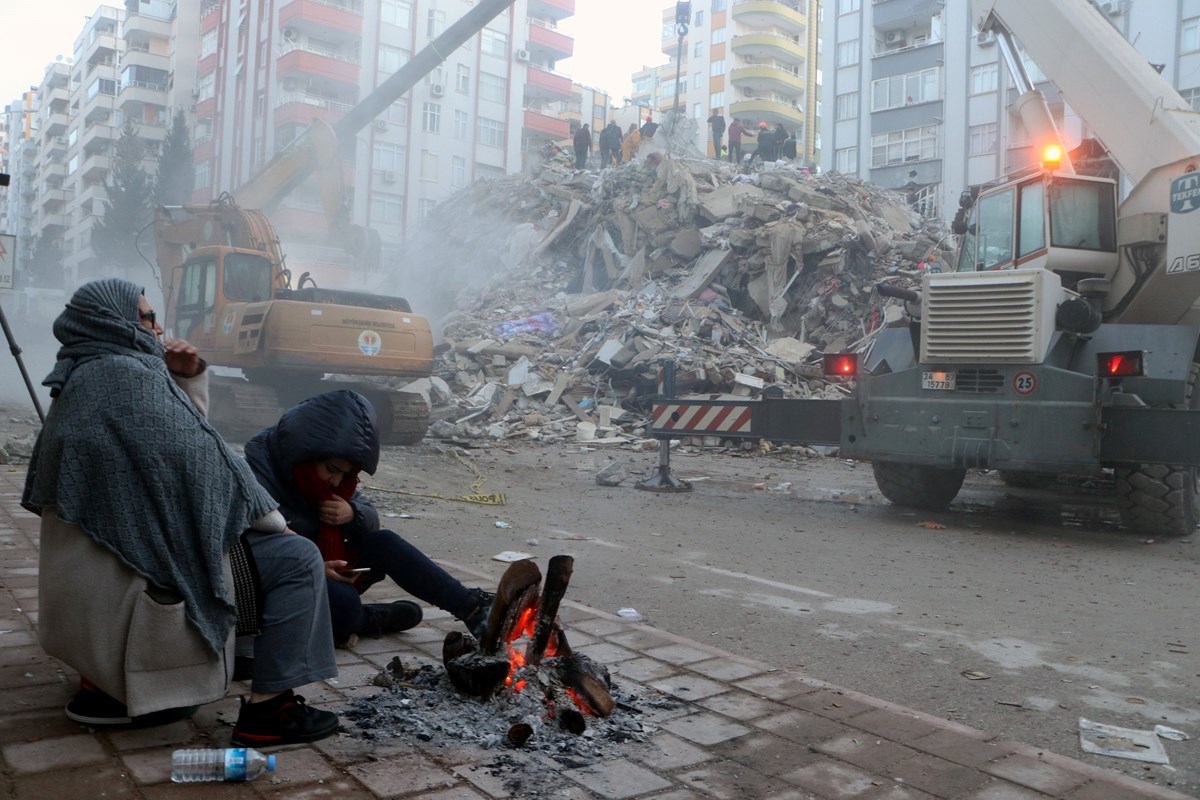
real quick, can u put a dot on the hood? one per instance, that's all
(338, 424)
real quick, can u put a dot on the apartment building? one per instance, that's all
(267, 70)
(922, 103)
(586, 105)
(19, 158)
(756, 60)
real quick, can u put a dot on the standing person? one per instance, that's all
(649, 127)
(583, 146)
(610, 145)
(780, 137)
(766, 143)
(717, 121)
(633, 140)
(736, 129)
(157, 541)
(310, 461)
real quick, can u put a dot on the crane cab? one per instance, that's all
(1063, 223)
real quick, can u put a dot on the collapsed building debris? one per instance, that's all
(593, 277)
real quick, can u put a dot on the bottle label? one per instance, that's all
(235, 764)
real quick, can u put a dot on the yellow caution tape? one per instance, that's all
(494, 499)
(483, 499)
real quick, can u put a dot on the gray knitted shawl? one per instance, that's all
(126, 456)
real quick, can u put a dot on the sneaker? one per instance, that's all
(476, 621)
(285, 719)
(97, 709)
(380, 619)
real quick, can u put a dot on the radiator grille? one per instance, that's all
(979, 381)
(997, 317)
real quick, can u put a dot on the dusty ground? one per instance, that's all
(1039, 591)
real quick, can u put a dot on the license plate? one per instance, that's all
(943, 381)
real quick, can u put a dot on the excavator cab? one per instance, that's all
(207, 283)
(1066, 224)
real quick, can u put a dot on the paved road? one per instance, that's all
(1039, 591)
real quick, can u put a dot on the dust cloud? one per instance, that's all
(31, 330)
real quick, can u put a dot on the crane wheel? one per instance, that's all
(1161, 499)
(917, 485)
(409, 419)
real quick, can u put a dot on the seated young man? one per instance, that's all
(309, 462)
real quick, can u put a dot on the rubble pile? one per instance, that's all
(589, 279)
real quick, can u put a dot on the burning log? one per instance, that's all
(565, 712)
(515, 585)
(519, 734)
(589, 681)
(472, 672)
(558, 575)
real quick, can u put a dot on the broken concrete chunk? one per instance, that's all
(687, 244)
(611, 475)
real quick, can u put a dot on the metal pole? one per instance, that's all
(16, 351)
(678, 71)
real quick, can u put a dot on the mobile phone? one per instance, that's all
(354, 571)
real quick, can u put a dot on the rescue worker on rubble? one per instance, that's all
(310, 461)
(583, 146)
(610, 145)
(633, 140)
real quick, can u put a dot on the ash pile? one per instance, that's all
(565, 289)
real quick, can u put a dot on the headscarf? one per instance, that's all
(125, 456)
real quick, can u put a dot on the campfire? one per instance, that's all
(524, 649)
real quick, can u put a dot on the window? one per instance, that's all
(698, 50)
(1031, 225)
(246, 278)
(847, 105)
(429, 165)
(493, 87)
(982, 139)
(431, 118)
(902, 90)
(387, 208)
(642, 84)
(388, 157)
(462, 78)
(461, 121)
(495, 43)
(205, 87)
(1035, 72)
(899, 147)
(1189, 34)
(1192, 96)
(435, 23)
(698, 80)
(391, 59)
(846, 160)
(1083, 215)
(397, 113)
(718, 5)
(668, 30)
(985, 78)
(491, 132)
(847, 53)
(201, 175)
(718, 68)
(717, 100)
(208, 43)
(396, 12)
(994, 236)
(719, 35)
(699, 19)
(458, 172)
(849, 6)
(425, 208)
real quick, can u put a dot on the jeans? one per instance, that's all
(735, 151)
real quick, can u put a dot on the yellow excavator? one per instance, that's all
(229, 292)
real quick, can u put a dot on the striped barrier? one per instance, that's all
(715, 417)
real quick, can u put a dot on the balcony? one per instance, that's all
(88, 196)
(96, 167)
(552, 127)
(99, 108)
(770, 14)
(55, 124)
(53, 200)
(207, 65)
(302, 109)
(543, 84)
(323, 65)
(761, 109)
(98, 138)
(206, 108)
(556, 10)
(144, 58)
(142, 93)
(332, 21)
(102, 48)
(53, 172)
(209, 17)
(142, 28)
(549, 44)
(769, 46)
(764, 79)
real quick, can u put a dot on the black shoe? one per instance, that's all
(476, 621)
(380, 619)
(285, 719)
(243, 668)
(98, 709)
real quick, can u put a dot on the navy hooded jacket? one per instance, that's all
(338, 424)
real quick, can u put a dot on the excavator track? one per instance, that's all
(408, 419)
(239, 409)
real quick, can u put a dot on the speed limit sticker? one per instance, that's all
(1025, 383)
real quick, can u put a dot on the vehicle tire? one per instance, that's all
(409, 419)
(1161, 499)
(1027, 479)
(917, 485)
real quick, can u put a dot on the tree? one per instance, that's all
(45, 266)
(176, 171)
(128, 208)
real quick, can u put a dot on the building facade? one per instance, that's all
(754, 60)
(267, 70)
(918, 101)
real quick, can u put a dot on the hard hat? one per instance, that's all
(762, 124)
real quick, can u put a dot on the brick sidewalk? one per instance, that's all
(743, 729)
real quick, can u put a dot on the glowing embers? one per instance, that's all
(525, 649)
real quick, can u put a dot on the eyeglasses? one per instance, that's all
(148, 316)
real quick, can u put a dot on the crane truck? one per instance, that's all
(229, 292)
(1066, 340)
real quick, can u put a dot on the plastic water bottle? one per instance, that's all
(230, 764)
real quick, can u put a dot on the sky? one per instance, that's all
(613, 39)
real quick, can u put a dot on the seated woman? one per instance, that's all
(157, 542)
(310, 462)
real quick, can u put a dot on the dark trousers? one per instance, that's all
(581, 155)
(605, 157)
(735, 151)
(390, 556)
(716, 140)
